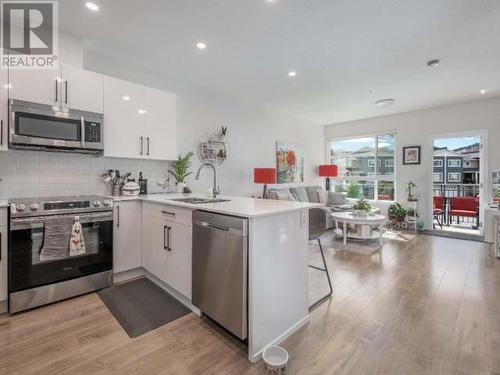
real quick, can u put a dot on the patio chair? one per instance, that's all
(463, 207)
(438, 210)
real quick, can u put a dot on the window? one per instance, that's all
(455, 177)
(454, 163)
(438, 163)
(438, 177)
(366, 166)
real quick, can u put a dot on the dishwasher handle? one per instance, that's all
(220, 228)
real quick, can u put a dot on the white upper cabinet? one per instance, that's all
(4, 108)
(139, 122)
(123, 119)
(82, 89)
(161, 124)
(65, 87)
(36, 85)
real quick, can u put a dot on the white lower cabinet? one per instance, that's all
(178, 263)
(3, 256)
(166, 248)
(127, 236)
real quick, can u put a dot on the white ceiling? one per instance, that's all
(347, 53)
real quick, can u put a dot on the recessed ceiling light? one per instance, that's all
(292, 73)
(384, 102)
(201, 45)
(433, 63)
(126, 98)
(483, 91)
(142, 111)
(92, 6)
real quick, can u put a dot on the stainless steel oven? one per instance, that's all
(41, 268)
(38, 127)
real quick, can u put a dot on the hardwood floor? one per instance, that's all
(427, 306)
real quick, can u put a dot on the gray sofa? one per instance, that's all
(332, 202)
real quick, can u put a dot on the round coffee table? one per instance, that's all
(375, 220)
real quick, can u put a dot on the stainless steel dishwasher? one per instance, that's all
(220, 247)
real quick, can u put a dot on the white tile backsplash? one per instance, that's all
(47, 174)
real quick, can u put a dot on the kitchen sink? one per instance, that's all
(194, 200)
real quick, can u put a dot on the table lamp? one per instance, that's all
(264, 176)
(328, 170)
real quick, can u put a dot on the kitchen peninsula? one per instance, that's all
(277, 255)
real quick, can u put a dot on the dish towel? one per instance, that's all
(56, 234)
(76, 242)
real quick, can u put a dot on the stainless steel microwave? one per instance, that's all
(35, 126)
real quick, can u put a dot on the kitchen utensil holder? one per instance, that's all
(116, 190)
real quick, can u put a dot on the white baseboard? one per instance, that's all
(129, 275)
(257, 356)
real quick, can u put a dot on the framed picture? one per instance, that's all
(411, 155)
(290, 162)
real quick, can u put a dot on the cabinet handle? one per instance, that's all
(66, 92)
(168, 239)
(165, 232)
(57, 96)
(148, 145)
(0, 246)
(168, 213)
(142, 145)
(118, 216)
(1, 132)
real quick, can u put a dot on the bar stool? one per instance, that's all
(317, 226)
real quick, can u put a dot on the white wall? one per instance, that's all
(419, 127)
(253, 130)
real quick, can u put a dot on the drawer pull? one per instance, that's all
(168, 213)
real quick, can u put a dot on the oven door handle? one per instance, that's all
(39, 221)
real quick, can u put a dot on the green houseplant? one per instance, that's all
(397, 212)
(361, 207)
(179, 169)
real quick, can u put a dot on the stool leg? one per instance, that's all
(325, 297)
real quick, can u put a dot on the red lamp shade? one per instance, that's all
(328, 170)
(264, 175)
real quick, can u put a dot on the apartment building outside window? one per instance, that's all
(366, 166)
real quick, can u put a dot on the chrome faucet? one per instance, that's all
(215, 189)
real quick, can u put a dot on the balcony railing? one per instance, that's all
(456, 190)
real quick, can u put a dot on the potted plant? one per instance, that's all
(361, 208)
(397, 213)
(179, 170)
(409, 189)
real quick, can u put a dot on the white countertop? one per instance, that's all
(4, 203)
(238, 206)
